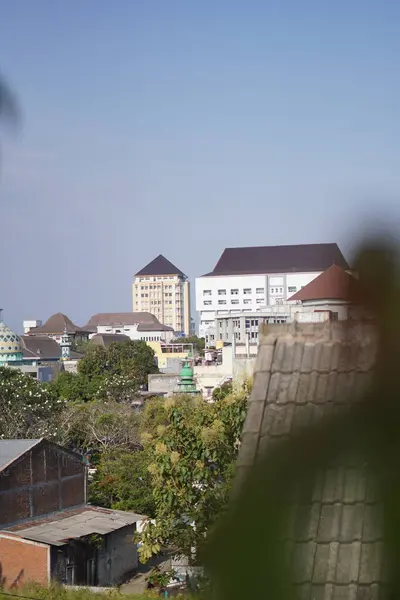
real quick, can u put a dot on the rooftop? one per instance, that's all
(57, 324)
(61, 527)
(119, 318)
(106, 339)
(303, 258)
(333, 284)
(42, 347)
(160, 266)
(10, 450)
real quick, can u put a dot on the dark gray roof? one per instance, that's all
(10, 450)
(119, 319)
(105, 339)
(308, 374)
(160, 266)
(303, 258)
(57, 324)
(43, 348)
(75, 523)
(154, 327)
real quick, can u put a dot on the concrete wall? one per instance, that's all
(44, 480)
(118, 558)
(160, 383)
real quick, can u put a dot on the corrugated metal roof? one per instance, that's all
(10, 450)
(76, 524)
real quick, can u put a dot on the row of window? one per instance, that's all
(247, 291)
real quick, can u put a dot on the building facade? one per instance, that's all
(136, 325)
(47, 529)
(163, 290)
(248, 280)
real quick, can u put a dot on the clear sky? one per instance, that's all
(181, 127)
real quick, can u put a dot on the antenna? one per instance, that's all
(1, 315)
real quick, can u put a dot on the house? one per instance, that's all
(135, 325)
(164, 290)
(335, 292)
(56, 326)
(47, 529)
(251, 279)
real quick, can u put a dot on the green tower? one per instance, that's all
(186, 383)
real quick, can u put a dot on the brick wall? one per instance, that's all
(22, 561)
(44, 480)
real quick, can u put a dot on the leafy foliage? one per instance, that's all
(224, 390)
(114, 373)
(193, 451)
(28, 409)
(123, 482)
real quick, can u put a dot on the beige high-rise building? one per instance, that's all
(162, 289)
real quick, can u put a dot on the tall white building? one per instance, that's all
(248, 280)
(163, 290)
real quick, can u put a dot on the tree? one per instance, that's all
(28, 408)
(114, 373)
(193, 451)
(133, 359)
(74, 387)
(98, 426)
(122, 481)
(222, 391)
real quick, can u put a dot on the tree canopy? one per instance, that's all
(192, 448)
(28, 409)
(113, 373)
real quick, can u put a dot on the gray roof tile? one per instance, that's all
(305, 373)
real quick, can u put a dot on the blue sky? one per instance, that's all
(184, 127)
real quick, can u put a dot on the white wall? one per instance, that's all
(132, 332)
(254, 292)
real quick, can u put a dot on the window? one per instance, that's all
(220, 323)
(247, 324)
(260, 301)
(254, 335)
(260, 290)
(235, 301)
(247, 301)
(221, 301)
(207, 302)
(235, 292)
(292, 288)
(254, 322)
(246, 290)
(279, 300)
(221, 292)
(206, 292)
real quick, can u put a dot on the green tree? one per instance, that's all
(222, 391)
(28, 408)
(114, 373)
(133, 359)
(122, 481)
(74, 387)
(193, 451)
